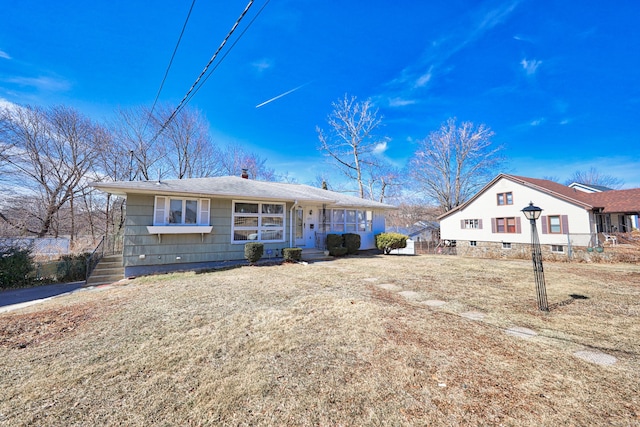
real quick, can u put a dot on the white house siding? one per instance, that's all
(485, 207)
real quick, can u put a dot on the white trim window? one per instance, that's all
(471, 223)
(177, 211)
(257, 221)
(351, 220)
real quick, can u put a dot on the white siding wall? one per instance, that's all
(485, 207)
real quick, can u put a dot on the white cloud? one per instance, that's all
(41, 83)
(438, 53)
(399, 102)
(424, 79)
(262, 65)
(4, 55)
(380, 147)
(537, 122)
(530, 67)
(565, 121)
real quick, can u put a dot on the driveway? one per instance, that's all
(29, 296)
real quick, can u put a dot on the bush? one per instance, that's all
(292, 254)
(253, 251)
(16, 266)
(387, 242)
(335, 245)
(334, 241)
(351, 242)
(72, 268)
(338, 251)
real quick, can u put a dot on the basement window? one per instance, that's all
(506, 245)
(557, 248)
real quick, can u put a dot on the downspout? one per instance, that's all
(291, 230)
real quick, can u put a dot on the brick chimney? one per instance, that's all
(245, 174)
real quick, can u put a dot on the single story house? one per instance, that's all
(196, 223)
(492, 221)
(421, 231)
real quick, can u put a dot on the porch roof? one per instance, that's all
(617, 201)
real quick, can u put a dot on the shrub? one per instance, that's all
(338, 251)
(253, 251)
(335, 244)
(334, 241)
(16, 266)
(72, 268)
(292, 254)
(351, 242)
(387, 242)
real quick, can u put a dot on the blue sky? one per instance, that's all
(557, 82)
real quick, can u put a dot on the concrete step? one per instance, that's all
(108, 270)
(312, 254)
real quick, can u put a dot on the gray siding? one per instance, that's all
(142, 250)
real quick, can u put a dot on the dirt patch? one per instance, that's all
(31, 329)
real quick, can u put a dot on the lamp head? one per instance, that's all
(531, 212)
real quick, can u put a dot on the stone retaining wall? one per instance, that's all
(523, 251)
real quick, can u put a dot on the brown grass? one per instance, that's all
(325, 344)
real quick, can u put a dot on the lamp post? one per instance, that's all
(532, 213)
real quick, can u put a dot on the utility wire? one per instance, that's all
(204, 71)
(228, 50)
(173, 55)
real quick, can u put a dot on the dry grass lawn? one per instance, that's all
(354, 342)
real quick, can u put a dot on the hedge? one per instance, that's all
(387, 242)
(292, 254)
(253, 251)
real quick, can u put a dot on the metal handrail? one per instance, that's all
(95, 258)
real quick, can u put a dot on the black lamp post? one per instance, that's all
(533, 213)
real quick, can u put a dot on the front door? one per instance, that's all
(305, 227)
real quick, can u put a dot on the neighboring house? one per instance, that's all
(589, 188)
(492, 219)
(421, 231)
(197, 223)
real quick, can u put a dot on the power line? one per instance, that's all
(166, 73)
(229, 50)
(204, 71)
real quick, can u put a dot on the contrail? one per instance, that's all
(281, 95)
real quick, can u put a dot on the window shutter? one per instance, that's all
(159, 214)
(462, 223)
(565, 223)
(480, 224)
(493, 225)
(518, 225)
(543, 221)
(203, 214)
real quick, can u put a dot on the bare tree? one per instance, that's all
(593, 177)
(408, 214)
(230, 160)
(53, 151)
(350, 141)
(454, 162)
(135, 136)
(189, 150)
